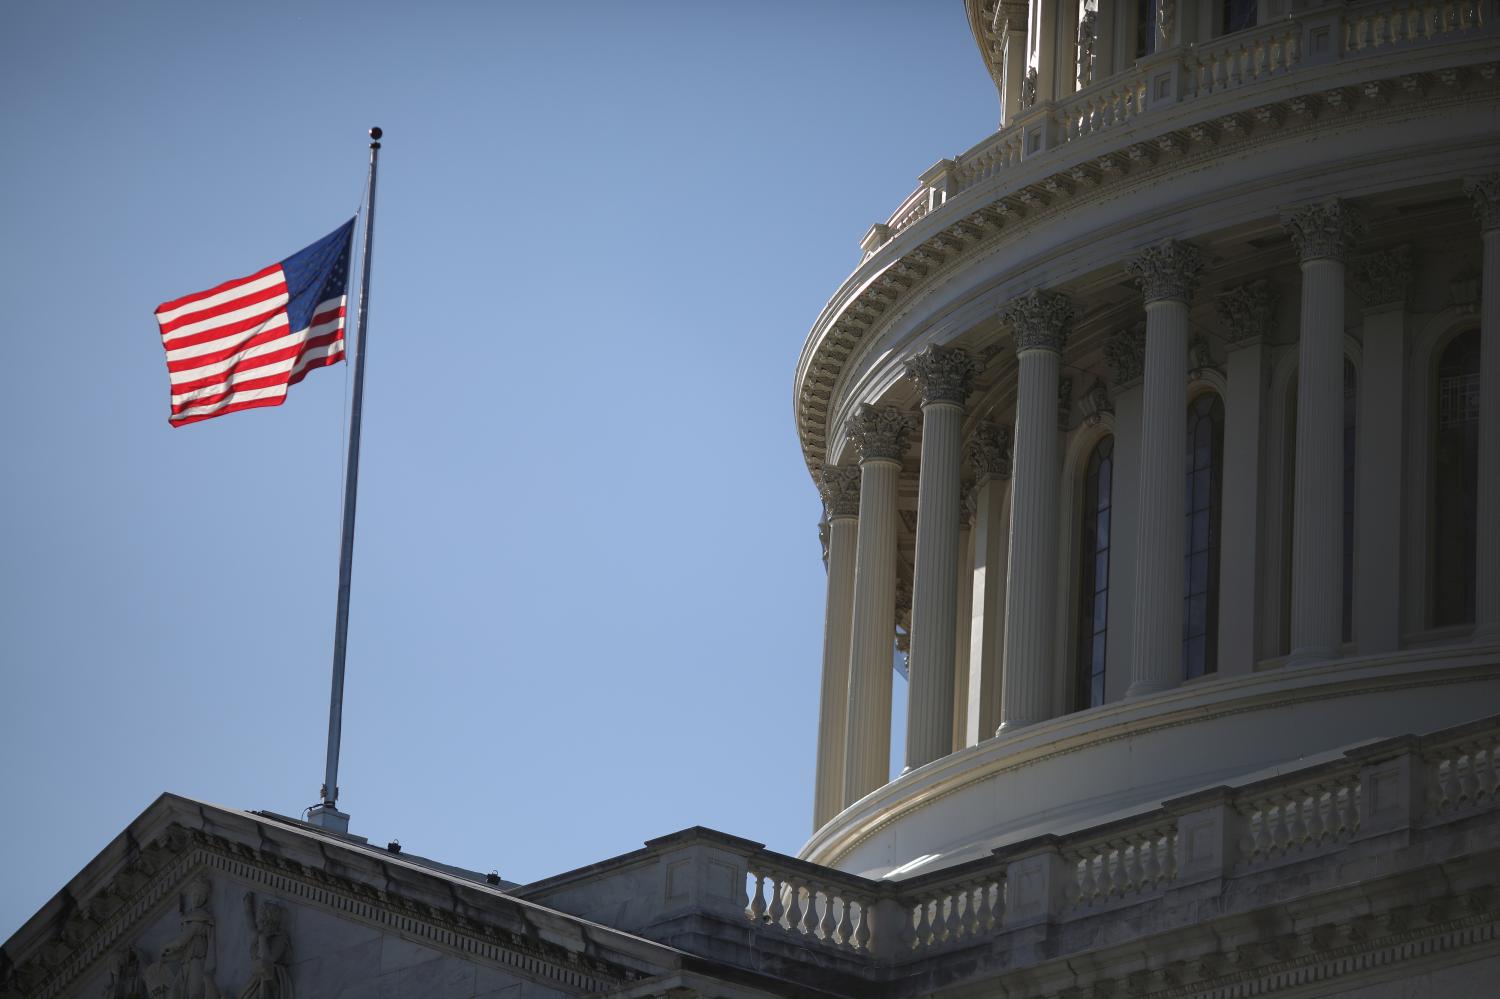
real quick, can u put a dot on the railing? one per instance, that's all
(1124, 866)
(1291, 821)
(1196, 71)
(815, 909)
(954, 911)
(1463, 775)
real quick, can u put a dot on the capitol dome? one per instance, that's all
(1153, 430)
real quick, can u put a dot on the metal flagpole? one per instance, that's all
(327, 814)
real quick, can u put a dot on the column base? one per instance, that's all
(1312, 657)
(329, 818)
(1145, 688)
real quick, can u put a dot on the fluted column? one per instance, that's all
(1247, 318)
(1323, 234)
(962, 633)
(840, 489)
(879, 435)
(1381, 281)
(1166, 275)
(988, 452)
(946, 377)
(1040, 322)
(1486, 194)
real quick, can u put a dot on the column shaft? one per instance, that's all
(1031, 595)
(833, 712)
(1239, 565)
(934, 611)
(1156, 647)
(1318, 490)
(987, 631)
(1487, 547)
(868, 748)
(1379, 470)
(962, 633)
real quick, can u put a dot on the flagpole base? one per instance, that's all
(329, 817)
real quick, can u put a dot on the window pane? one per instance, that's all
(1101, 535)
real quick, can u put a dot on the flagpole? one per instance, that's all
(327, 814)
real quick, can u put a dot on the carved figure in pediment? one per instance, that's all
(127, 978)
(270, 952)
(189, 962)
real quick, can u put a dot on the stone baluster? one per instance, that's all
(1323, 234)
(1166, 275)
(988, 454)
(946, 377)
(1040, 322)
(1247, 319)
(840, 489)
(1485, 192)
(1382, 281)
(879, 435)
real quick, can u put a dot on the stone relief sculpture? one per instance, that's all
(127, 976)
(188, 963)
(270, 952)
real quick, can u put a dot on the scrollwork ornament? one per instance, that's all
(880, 433)
(1383, 278)
(988, 451)
(1484, 192)
(1324, 231)
(944, 374)
(1126, 354)
(1040, 320)
(839, 487)
(1167, 271)
(1248, 313)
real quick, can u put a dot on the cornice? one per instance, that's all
(1187, 135)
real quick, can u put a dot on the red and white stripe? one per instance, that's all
(229, 348)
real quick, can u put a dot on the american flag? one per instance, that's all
(241, 344)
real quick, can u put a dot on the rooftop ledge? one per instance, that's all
(1268, 79)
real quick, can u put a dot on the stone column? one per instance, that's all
(1382, 281)
(946, 377)
(1486, 194)
(1166, 275)
(1247, 316)
(840, 489)
(1126, 353)
(1323, 234)
(965, 622)
(988, 454)
(879, 435)
(1040, 322)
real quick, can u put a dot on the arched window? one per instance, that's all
(1203, 500)
(1237, 15)
(1455, 466)
(1093, 575)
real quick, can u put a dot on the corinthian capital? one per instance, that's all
(1040, 320)
(1383, 278)
(1248, 312)
(944, 374)
(988, 451)
(880, 432)
(1126, 353)
(1167, 271)
(839, 486)
(1325, 231)
(1485, 193)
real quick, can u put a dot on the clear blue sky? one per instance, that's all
(587, 601)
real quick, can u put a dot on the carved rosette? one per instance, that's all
(1326, 231)
(1167, 272)
(1383, 279)
(988, 451)
(944, 374)
(1248, 313)
(1126, 354)
(880, 433)
(1040, 320)
(839, 486)
(1485, 193)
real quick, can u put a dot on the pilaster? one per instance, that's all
(1485, 192)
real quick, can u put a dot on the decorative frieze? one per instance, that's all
(839, 486)
(1324, 231)
(1167, 271)
(1247, 313)
(1126, 354)
(1485, 193)
(880, 433)
(988, 451)
(944, 374)
(1040, 320)
(1383, 279)
(1095, 403)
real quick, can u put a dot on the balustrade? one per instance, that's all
(954, 912)
(1125, 865)
(810, 908)
(1463, 775)
(1286, 822)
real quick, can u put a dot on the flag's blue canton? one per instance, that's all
(316, 274)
